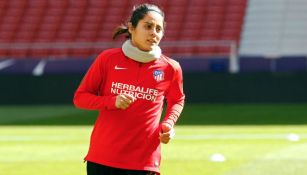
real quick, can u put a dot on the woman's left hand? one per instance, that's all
(167, 133)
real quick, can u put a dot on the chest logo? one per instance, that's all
(119, 68)
(158, 75)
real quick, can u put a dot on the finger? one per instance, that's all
(118, 102)
(124, 105)
(122, 101)
(130, 97)
(167, 134)
(172, 133)
(166, 127)
(126, 100)
(164, 139)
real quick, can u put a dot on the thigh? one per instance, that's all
(138, 172)
(97, 169)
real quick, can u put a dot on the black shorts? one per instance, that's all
(98, 169)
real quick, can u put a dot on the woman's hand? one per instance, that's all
(167, 133)
(123, 101)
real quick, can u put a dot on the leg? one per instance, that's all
(138, 172)
(97, 169)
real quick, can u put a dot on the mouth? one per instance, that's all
(152, 41)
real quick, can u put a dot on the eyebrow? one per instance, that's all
(151, 23)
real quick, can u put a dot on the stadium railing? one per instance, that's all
(215, 49)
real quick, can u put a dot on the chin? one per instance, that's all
(152, 47)
(148, 49)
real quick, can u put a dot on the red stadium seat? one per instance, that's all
(66, 36)
(60, 52)
(45, 36)
(37, 4)
(6, 36)
(86, 35)
(190, 34)
(168, 50)
(3, 4)
(199, 3)
(39, 53)
(60, 4)
(24, 36)
(98, 3)
(95, 20)
(17, 4)
(79, 3)
(18, 53)
(82, 52)
(3, 53)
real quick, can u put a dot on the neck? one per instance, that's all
(139, 55)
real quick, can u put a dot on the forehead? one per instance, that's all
(153, 17)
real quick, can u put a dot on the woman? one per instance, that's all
(128, 86)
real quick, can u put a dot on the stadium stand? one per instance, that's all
(275, 28)
(77, 21)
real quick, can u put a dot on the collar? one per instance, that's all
(138, 55)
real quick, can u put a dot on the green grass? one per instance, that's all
(253, 138)
(193, 114)
(249, 150)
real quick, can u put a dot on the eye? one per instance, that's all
(158, 29)
(148, 26)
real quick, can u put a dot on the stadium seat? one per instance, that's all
(37, 4)
(199, 3)
(94, 21)
(6, 36)
(18, 53)
(3, 4)
(25, 36)
(66, 36)
(58, 4)
(39, 53)
(79, 3)
(98, 3)
(82, 52)
(60, 53)
(45, 36)
(3, 53)
(17, 4)
(86, 35)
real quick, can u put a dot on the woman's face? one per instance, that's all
(148, 32)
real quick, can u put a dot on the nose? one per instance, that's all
(154, 32)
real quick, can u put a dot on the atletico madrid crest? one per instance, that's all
(158, 75)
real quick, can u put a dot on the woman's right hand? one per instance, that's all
(123, 101)
(167, 133)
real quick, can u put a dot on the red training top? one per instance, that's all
(129, 139)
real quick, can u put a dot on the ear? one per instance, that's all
(130, 27)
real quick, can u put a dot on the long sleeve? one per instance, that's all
(88, 96)
(175, 98)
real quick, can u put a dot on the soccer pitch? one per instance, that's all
(210, 140)
(238, 150)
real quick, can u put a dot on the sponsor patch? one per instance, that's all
(158, 75)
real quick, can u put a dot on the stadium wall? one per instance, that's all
(265, 87)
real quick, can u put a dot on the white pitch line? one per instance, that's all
(236, 136)
(4, 138)
(35, 138)
(39, 69)
(6, 63)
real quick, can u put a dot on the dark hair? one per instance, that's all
(138, 14)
